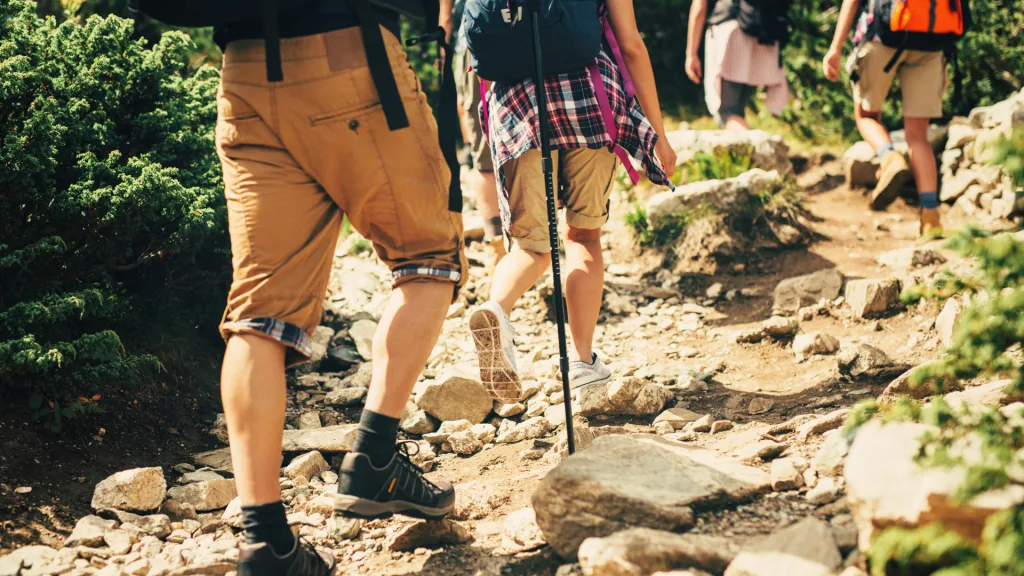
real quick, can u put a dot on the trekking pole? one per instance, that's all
(533, 9)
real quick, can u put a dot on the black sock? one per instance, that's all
(492, 228)
(376, 437)
(268, 523)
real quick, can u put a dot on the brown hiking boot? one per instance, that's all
(931, 225)
(892, 176)
(494, 251)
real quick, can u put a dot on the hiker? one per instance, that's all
(483, 183)
(584, 173)
(299, 154)
(873, 65)
(742, 52)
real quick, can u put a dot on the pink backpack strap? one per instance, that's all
(613, 45)
(483, 107)
(610, 126)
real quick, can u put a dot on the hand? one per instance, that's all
(663, 150)
(693, 69)
(831, 64)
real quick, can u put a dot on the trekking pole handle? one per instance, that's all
(432, 36)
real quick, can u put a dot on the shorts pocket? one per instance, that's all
(342, 115)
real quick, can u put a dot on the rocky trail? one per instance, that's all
(716, 449)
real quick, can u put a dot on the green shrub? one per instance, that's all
(718, 166)
(112, 224)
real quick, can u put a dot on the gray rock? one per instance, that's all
(911, 257)
(528, 430)
(795, 293)
(806, 548)
(630, 396)
(945, 324)
(822, 424)
(509, 410)
(824, 492)
(866, 361)
(724, 196)
(199, 476)
(814, 343)
(120, 541)
(26, 557)
(643, 481)
(759, 406)
(140, 489)
(844, 529)
(901, 387)
(205, 496)
(419, 423)
(862, 165)
(307, 466)
(984, 396)
(456, 397)
(89, 531)
(767, 151)
(465, 443)
(346, 396)
(339, 438)
(310, 419)
(785, 475)
(831, 455)
(702, 424)
(155, 525)
(872, 298)
(721, 426)
(445, 430)
(362, 336)
(759, 451)
(320, 340)
(642, 551)
(780, 326)
(677, 417)
(477, 499)
(521, 533)
(428, 535)
(960, 135)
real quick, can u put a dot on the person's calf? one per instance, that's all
(516, 273)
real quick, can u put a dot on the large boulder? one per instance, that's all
(723, 196)
(792, 294)
(767, 151)
(456, 397)
(886, 486)
(626, 481)
(139, 490)
(642, 551)
(631, 396)
(806, 548)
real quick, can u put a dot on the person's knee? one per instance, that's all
(584, 235)
(915, 130)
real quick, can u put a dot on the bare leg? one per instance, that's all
(515, 274)
(487, 195)
(736, 123)
(253, 393)
(922, 157)
(584, 286)
(405, 337)
(871, 128)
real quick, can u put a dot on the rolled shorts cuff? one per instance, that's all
(286, 333)
(577, 220)
(536, 246)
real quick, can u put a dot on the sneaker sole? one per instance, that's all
(500, 379)
(886, 194)
(355, 507)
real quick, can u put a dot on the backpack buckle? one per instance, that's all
(510, 17)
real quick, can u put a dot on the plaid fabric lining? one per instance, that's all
(443, 273)
(279, 330)
(575, 121)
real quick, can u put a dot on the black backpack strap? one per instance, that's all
(895, 58)
(272, 41)
(953, 56)
(380, 66)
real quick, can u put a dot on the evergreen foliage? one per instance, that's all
(112, 225)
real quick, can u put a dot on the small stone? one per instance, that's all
(429, 535)
(120, 541)
(156, 525)
(912, 257)
(823, 424)
(663, 428)
(824, 492)
(721, 426)
(807, 345)
(346, 528)
(309, 420)
(945, 324)
(533, 428)
(418, 423)
(785, 476)
(346, 396)
(760, 406)
(702, 424)
(362, 333)
(794, 293)
(456, 397)
(89, 531)
(445, 430)
(521, 532)
(829, 459)
(465, 443)
(306, 466)
(140, 489)
(205, 496)
(509, 410)
(780, 326)
(865, 361)
(803, 549)
(872, 298)
(714, 292)
(678, 417)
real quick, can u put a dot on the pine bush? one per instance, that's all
(112, 224)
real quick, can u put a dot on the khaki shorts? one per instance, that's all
(584, 179)
(467, 85)
(298, 155)
(922, 79)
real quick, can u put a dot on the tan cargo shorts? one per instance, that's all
(922, 79)
(299, 154)
(584, 178)
(467, 85)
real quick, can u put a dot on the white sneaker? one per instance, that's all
(493, 335)
(581, 373)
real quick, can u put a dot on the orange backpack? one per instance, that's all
(930, 25)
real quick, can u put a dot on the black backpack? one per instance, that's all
(203, 13)
(767, 21)
(500, 42)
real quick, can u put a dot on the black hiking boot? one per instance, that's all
(398, 488)
(303, 560)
